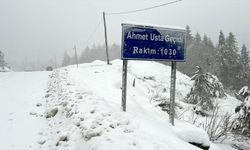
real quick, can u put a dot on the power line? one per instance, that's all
(89, 37)
(143, 9)
(92, 33)
(120, 13)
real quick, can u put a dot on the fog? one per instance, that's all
(42, 30)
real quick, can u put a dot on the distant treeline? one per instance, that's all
(226, 59)
(95, 52)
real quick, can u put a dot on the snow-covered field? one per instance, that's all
(80, 109)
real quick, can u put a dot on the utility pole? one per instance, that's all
(76, 59)
(106, 39)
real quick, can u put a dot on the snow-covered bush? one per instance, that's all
(3, 64)
(243, 93)
(160, 98)
(206, 87)
(218, 89)
(218, 127)
(243, 113)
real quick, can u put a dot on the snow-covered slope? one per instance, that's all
(82, 109)
(89, 114)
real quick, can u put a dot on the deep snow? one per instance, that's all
(90, 115)
(88, 100)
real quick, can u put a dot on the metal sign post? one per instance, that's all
(172, 92)
(146, 42)
(124, 84)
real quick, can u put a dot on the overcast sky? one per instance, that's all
(44, 29)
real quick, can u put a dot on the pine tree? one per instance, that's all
(221, 39)
(3, 64)
(208, 54)
(245, 56)
(221, 67)
(66, 59)
(235, 67)
(210, 44)
(200, 51)
(205, 40)
(245, 59)
(206, 87)
(189, 36)
(185, 67)
(97, 52)
(229, 65)
(243, 113)
(197, 38)
(231, 43)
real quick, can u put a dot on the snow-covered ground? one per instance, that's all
(19, 94)
(82, 109)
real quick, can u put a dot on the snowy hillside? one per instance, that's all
(82, 108)
(89, 114)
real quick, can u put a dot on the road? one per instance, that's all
(19, 94)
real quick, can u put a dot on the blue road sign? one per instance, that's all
(140, 42)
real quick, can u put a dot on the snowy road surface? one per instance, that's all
(19, 94)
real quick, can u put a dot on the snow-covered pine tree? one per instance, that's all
(235, 67)
(206, 87)
(207, 51)
(244, 92)
(230, 68)
(242, 123)
(189, 36)
(3, 64)
(221, 68)
(245, 60)
(200, 51)
(218, 89)
(245, 56)
(197, 38)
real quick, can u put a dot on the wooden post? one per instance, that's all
(134, 82)
(76, 59)
(172, 92)
(106, 39)
(124, 84)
